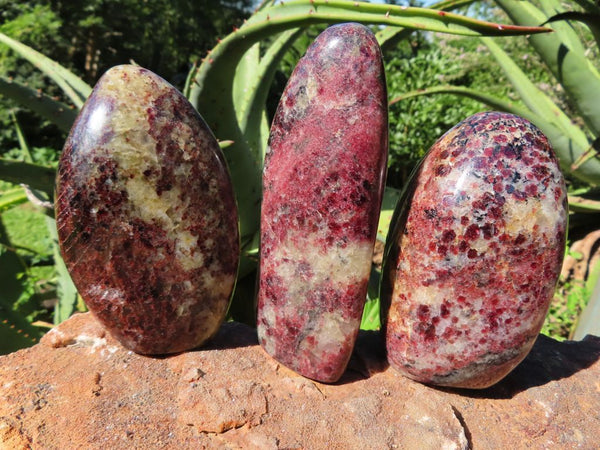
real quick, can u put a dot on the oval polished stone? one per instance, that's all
(322, 189)
(146, 214)
(474, 254)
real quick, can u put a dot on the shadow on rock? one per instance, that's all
(548, 361)
(368, 357)
(232, 335)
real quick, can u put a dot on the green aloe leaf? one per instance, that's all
(588, 322)
(447, 5)
(589, 5)
(265, 4)
(591, 20)
(583, 205)
(389, 36)
(11, 198)
(36, 176)
(252, 118)
(21, 138)
(305, 12)
(189, 80)
(246, 75)
(15, 330)
(388, 205)
(73, 86)
(66, 290)
(371, 312)
(60, 114)
(532, 96)
(578, 76)
(568, 34)
(567, 149)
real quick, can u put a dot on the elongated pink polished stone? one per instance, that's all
(475, 253)
(146, 215)
(323, 180)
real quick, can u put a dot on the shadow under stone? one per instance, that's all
(368, 357)
(232, 335)
(549, 360)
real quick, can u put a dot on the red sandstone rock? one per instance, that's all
(475, 253)
(323, 183)
(79, 388)
(146, 214)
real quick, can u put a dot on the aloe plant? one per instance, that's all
(229, 88)
(565, 55)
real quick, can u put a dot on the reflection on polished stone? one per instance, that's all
(322, 188)
(474, 253)
(146, 214)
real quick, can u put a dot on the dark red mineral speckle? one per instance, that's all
(322, 188)
(501, 237)
(146, 216)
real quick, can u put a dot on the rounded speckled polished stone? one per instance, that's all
(322, 188)
(146, 215)
(474, 253)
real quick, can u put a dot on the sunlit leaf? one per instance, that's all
(53, 110)
(73, 86)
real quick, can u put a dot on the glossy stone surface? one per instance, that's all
(322, 188)
(146, 215)
(474, 254)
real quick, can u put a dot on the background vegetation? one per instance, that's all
(87, 37)
(172, 38)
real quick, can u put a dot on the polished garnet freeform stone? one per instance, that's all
(146, 214)
(322, 182)
(474, 253)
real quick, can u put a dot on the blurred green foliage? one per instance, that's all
(417, 123)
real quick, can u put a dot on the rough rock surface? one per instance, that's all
(79, 388)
